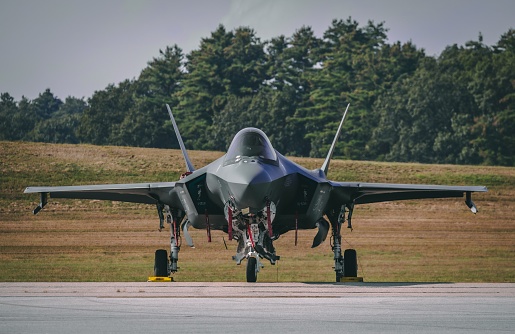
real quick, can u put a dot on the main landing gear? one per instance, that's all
(345, 266)
(163, 267)
(254, 234)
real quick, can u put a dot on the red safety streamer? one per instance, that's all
(269, 219)
(229, 222)
(296, 226)
(174, 226)
(249, 231)
(208, 228)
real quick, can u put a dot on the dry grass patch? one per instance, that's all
(428, 240)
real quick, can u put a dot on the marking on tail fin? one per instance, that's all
(325, 166)
(189, 165)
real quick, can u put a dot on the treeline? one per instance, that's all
(458, 107)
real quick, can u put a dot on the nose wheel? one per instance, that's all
(252, 269)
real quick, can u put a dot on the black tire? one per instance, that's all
(251, 270)
(350, 263)
(161, 263)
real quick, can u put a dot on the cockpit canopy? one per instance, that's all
(252, 143)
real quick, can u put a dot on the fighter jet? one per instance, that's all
(255, 195)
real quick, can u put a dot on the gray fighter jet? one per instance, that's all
(255, 194)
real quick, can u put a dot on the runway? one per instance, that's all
(256, 308)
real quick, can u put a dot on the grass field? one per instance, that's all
(72, 240)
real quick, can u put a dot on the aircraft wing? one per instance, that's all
(147, 193)
(363, 193)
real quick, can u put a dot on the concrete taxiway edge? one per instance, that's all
(250, 290)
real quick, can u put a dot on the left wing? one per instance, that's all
(147, 193)
(362, 193)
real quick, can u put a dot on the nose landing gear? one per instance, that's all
(253, 231)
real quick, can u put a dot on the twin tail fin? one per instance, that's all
(325, 166)
(189, 165)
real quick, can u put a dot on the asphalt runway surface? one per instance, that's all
(256, 307)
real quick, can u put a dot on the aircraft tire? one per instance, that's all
(350, 263)
(161, 263)
(251, 270)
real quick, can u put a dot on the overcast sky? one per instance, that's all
(75, 47)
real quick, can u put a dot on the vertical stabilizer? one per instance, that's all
(325, 166)
(189, 165)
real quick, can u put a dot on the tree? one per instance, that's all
(23, 121)
(494, 131)
(263, 110)
(405, 106)
(202, 90)
(45, 105)
(426, 117)
(246, 63)
(106, 111)
(351, 61)
(145, 124)
(227, 64)
(292, 65)
(62, 126)
(8, 110)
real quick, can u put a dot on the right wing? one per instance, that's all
(363, 193)
(147, 193)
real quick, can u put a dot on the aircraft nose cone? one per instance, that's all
(249, 184)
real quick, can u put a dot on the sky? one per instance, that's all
(77, 47)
